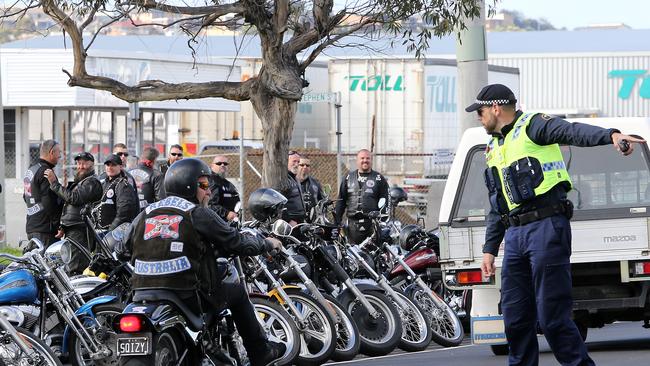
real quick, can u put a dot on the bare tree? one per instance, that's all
(292, 33)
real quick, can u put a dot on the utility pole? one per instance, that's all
(3, 186)
(471, 56)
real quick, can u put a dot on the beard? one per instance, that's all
(79, 175)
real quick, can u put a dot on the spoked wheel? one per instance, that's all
(279, 327)
(317, 339)
(380, 335)
(445, 325)
(102, 330)
(12, 354)
(416, 333)
(348, 341)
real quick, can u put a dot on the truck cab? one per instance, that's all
(610, 261)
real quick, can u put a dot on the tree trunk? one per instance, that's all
(277, 117)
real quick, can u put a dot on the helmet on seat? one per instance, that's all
(409, 236)
(397, 195)
(182, 178)
(266, 204)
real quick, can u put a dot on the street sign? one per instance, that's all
(319, 98)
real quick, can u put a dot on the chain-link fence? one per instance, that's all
(408, 170)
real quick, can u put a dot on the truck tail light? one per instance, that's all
(641, 268)
(472, 277)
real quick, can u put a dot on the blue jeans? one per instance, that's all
(536, 287)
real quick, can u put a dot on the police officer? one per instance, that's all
(183, 234)
(295, 207)
(528, 183)
(43, 205)
(224, 195)
(175, 154)
(122, 151)
(312, 191)
(149, 181)
(359, 194)
(119, 203)
(84, 191)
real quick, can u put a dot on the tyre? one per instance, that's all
(279, 327)
(379, 336)
(416, 332)
(102, 329)
(318, 338)
(348, 341)
(447, 330)
(167, 348)
(500, 349)
(12, 354)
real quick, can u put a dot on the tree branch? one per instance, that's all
(156, 90)
(280, 19)
(223, 9)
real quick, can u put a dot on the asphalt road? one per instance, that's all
(620, 344)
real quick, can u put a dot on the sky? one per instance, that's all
(577, 13)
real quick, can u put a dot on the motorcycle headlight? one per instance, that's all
(66, 252)
(53, 252)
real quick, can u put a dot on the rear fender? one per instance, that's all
(85, 314)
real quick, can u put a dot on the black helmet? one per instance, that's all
(266, 203)
(409, 236)
(182, 177)
(397, 195)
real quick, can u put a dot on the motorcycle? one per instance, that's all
(158, 328)
(39, 294)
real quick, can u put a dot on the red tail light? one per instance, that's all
(470, 277)
(641, 268)
(130, 324)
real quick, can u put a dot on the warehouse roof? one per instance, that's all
(579, 41)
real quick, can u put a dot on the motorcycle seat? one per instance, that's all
(195, 321)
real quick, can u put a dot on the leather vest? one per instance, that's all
(362, 196)
(167, 251)
(143, 183)
(228, 195)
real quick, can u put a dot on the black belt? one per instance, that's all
(564, 207)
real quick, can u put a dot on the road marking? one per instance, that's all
(399, 354)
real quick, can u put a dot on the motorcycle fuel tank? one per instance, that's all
(18, 287)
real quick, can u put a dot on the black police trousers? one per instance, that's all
(536, 287)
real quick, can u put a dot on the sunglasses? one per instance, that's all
(307, 165)
(204, 185)
(221, 163)
(176, 154)
(122, 154)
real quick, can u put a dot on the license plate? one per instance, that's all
(134, 346)
(488, 330)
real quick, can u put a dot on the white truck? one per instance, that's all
(610, 261)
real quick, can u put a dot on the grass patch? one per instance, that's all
(9, 250)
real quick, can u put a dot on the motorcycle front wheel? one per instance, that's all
(279, 327)
(447, 330)
(12, 355)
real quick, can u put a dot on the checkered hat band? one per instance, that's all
(488, 102)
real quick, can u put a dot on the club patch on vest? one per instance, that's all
(370, 183)
(163, 226)
(159, 268)
(171, 202)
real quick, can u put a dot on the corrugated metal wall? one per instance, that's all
(561, 82)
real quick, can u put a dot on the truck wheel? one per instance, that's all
(499, 349)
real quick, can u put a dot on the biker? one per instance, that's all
(185, 237)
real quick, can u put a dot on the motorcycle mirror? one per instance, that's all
(381, 203)
(281, 228)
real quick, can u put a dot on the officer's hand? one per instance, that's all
(488, 265)
(618, 137)
(231, 216)
(49, 174)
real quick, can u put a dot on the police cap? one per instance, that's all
(490, 94)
